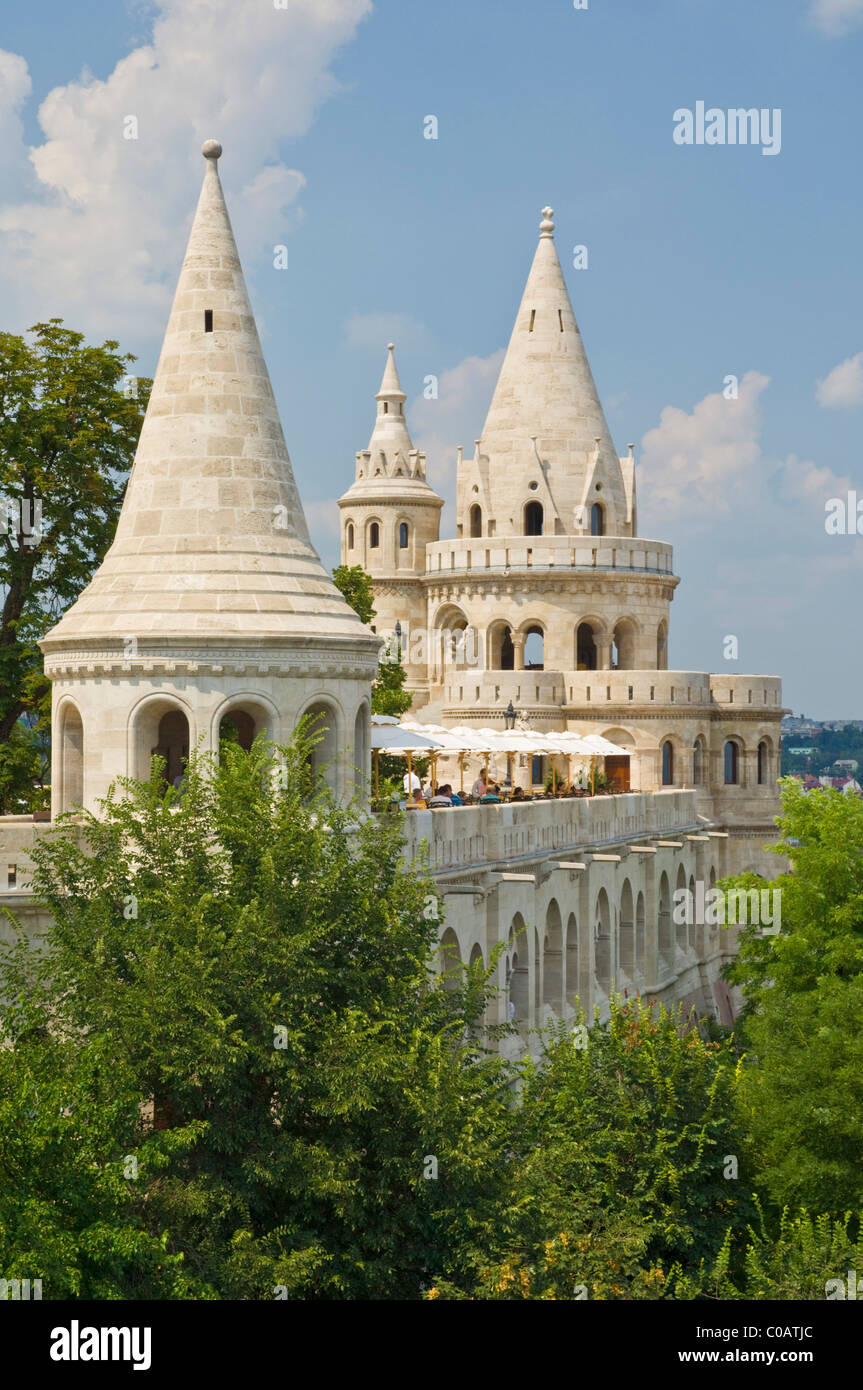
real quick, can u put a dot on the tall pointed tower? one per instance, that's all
(211, 602)
(545, 463)
(389, 515)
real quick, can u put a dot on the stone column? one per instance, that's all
(518, 641)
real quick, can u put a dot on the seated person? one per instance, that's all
(518, 794)
(493, 793)
(417, 801)
(440, 798)
(454, 796)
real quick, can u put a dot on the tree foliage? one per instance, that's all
(67, 439)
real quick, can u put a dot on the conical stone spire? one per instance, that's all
(211, 537)
(545, 417)
(391, 433)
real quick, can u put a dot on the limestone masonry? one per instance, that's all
(213, 603)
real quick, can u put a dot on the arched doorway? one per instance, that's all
(475, 521)
(362, 750)
(623, 649)
(640, 942)
(237, 727)
(662, 646)
(533, 519)
(666, 926)
(501, 651)
(450, 960)
(597, 520)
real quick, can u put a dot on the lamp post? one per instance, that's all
(398, 632)
(509, 721)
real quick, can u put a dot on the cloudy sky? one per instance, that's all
(705, 262)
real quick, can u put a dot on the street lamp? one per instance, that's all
(398, 632)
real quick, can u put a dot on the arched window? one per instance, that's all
(667, 764)
(476, 520)
(731, 763)
(597, 520)
(71, 758)
(403, 535)
(324, 728)
(350, 536)
(762, 763)
(173, 744)
(533, 519)
(374, 535)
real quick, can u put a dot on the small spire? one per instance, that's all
(391, 387)
(546, 226)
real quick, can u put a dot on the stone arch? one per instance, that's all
(148, 735)
(589, 637)
(680, 906)
(349, 535)
(519, 978)
(603, 942)
(450, 960)
(500, 651)
(449, 621)
(662, 646)
(251, 714)
(327, 728)
(576, 993)
(362, 749)
(624, 639)
(640, 938)
(534, 651)
(665, 924)
(626, 931)
(70, 728)
(552, 965)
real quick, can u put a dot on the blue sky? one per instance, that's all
(704, 261)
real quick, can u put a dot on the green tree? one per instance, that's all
(617, 1180)
(803, 1089)
(67, 439)
(256, 961)
(355, 585)
(388, 693)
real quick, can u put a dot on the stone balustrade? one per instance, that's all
(472, 837)
(487, 553)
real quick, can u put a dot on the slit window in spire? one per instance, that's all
(560, 318)
(208, 320)
(532, 317)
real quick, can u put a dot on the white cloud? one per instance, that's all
(98, 235)
(374, 331)
(692, 464)
(836, 17)
(708, 466)
(842, 389)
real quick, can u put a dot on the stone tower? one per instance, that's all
(389, 516)
(545, 464)
(211, 601)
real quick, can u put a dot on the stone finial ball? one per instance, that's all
(211, 149)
